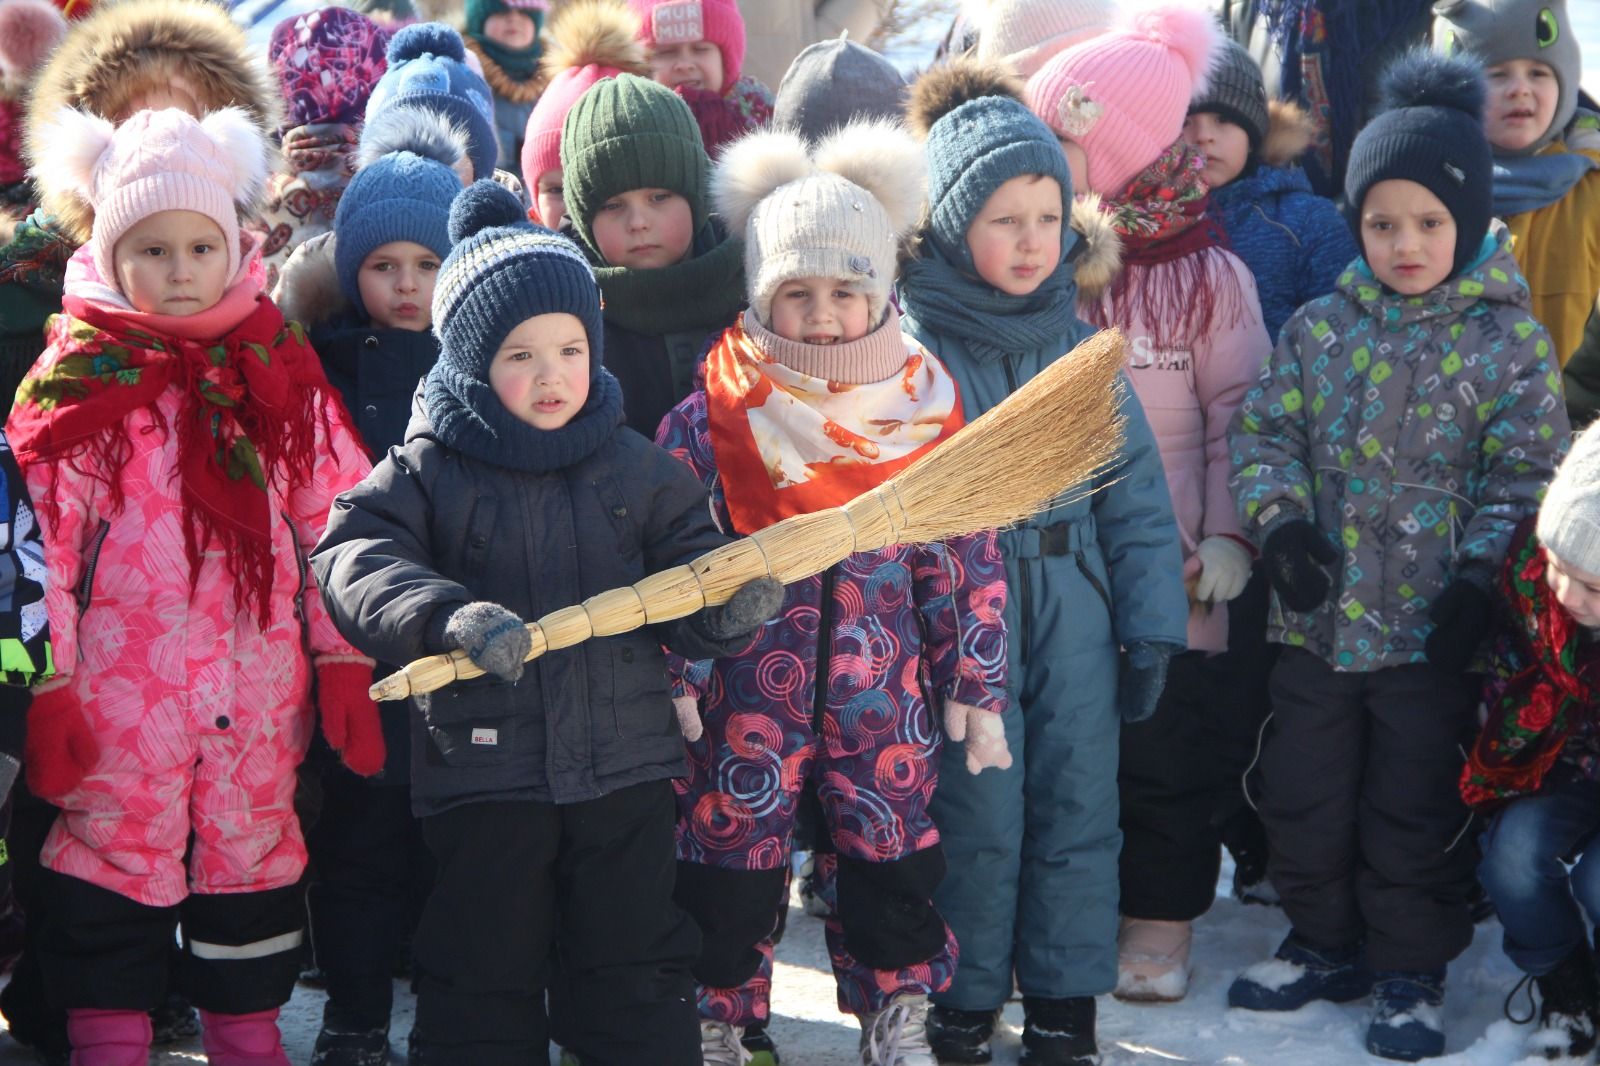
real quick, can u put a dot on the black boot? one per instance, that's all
(961, 1035)
(1059, 1032)
(1570, 1002)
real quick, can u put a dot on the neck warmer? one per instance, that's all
(511, 72)
(468, 417)
(1528, 182)
(703, 292)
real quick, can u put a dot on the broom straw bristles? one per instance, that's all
(1046, 442)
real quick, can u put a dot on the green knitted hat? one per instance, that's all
(628, 133)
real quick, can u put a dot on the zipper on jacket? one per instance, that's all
(1083, 566)
(1024, 579)
(819, 700)
(86, 582)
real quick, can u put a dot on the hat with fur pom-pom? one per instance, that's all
(428, 69)
(838, 213)
(1122, 96)
(156, 161)
(29, 31)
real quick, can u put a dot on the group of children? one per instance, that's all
(391, 401)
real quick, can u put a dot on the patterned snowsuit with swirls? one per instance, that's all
(895, 633)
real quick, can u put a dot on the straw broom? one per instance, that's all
(1049, 437)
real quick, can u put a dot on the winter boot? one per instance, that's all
(173, 1021)
(757, 1041)
(1059, 1032)
(720, 1044)
(1569, 1009)
(1406, 1018)
(1297, 974)
(108, 1037)
(961, 1035)
(242, 1039)
(1252, 886)
(360, 1047)
(897, 1035)
(1153, 960)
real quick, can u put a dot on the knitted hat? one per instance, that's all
(157, 161)
(1429, 130)
(478, 12)
(1569, 518)
(837, 214)
(832, 82)
(428, 69)
(402, 192)
(29, 31)
(1237, 93)
(1497, 31)
(628, 133)
(1122, 96)
(589, 40)
(978, 135)
(327, 62)
(1026, 34)
(503, 271)
(687, 21)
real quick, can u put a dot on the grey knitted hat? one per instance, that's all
(1569, 519)
(832, 82)
(1498, 31)
(1236, 92)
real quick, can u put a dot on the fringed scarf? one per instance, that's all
(1543, 687)
(1166, 281)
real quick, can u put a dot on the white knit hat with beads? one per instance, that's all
(1569, 519)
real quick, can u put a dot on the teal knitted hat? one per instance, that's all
(628, 133)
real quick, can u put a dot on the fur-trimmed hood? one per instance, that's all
(126, 49)
(1290, 132)
(1102, 248)
(308, 285)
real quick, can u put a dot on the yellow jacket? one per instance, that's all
(1558, 248)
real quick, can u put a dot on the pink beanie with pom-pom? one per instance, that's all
(1122, 96)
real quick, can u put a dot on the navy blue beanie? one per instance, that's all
(428, 69)
(1430, 131)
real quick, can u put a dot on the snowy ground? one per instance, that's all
(810, 1031)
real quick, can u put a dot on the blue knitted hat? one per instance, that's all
(502, 271)
(428, 69)
(979, 136)
(402, 191)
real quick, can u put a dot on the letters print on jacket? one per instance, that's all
(1415, 431)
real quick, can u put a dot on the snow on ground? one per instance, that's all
(811, 1032)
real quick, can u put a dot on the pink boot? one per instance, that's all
(108, 1037)
(242, 1039)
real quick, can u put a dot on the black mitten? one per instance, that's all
(1462, 616)
(1295, 555)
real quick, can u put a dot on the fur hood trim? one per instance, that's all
(599, 33)
(308, 284)
(1102, 256)
(947, 86)
(1290, 132)
(123, 50)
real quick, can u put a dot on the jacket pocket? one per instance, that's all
(91, 562)
(473, 722)
(1097, 581)
(479, 538)
(641, 701)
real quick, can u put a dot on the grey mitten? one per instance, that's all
(493, 638)
(747, 611)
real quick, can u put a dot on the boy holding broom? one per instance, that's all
(558, 777)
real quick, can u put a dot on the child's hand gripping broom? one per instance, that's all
(1049, 437)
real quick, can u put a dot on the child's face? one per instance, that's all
(172, 263)
(1576, 590)
(1408, 236)
(511, 29)
(547, 199)
(1077, 165)
(396, 283)
(697, 65)
(1226, 146)
(819, 311)
(541, 372)
(1523, 94)
(644, 229)
(1016, 239)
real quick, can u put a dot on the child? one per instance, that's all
(1546, 156)
(1031, 891)
(188, 449)
(811, 398)
(29, 31)
(1293, 241)
(635, 176)
(428, 71)
(589, 40)
(326, 62)
(1533, 767)
(833, 82)
(1409, 418)
(696, 49)
(1189, 309)
(557, 776)
(505, 36)
(1024, 35)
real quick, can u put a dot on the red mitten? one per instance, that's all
(59, 749)
(349, 717)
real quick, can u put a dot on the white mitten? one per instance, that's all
(688, 710)
(981, 732)
(1224, 569)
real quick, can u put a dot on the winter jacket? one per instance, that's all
(25, 651)
(433, 529)
(1189, 396)
(655, 372)
(376, 370)
(1416, 432)
(1558, 249)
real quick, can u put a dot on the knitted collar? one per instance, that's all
(703, 292)
(859, 362)
(467, 416)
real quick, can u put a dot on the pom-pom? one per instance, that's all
(245, 149)
(420, 131)
(71, 149)
(753, 167)
(886, 161)
(1189, 32)
(1424, 78)
(483, 205)
(29, 32)
(426, 38)
(600, 33)
(947, 86)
